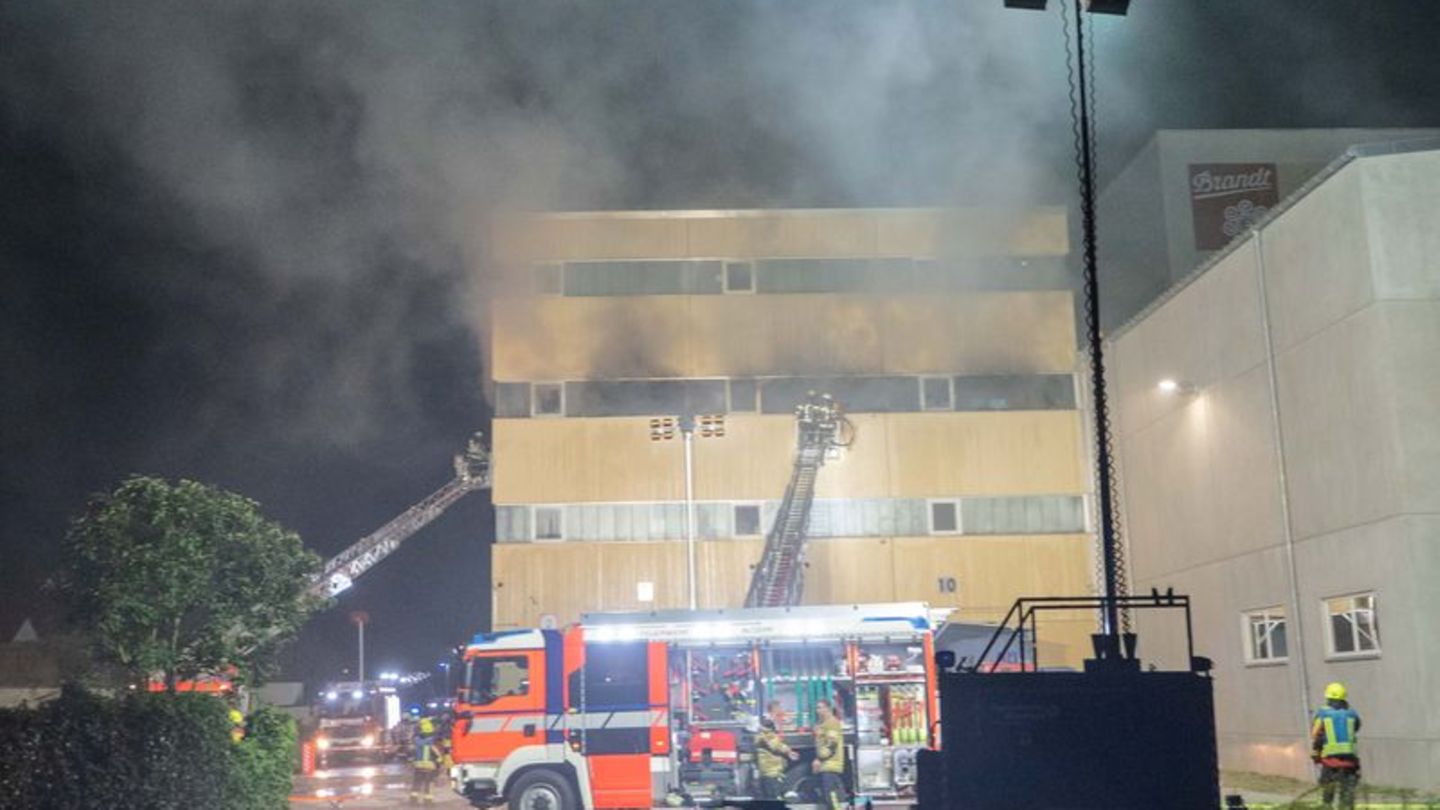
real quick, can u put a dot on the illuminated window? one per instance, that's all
(1265, 636)
(1352, 626)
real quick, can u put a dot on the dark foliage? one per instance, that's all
(152, 751)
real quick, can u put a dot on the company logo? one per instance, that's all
(1207, 183)
(1226, 199)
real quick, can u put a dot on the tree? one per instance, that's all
(184, 580)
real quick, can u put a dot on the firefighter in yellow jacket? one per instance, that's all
(772, 757)
(424, 764)
(829, 755)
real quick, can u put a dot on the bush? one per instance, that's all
(264, 762)
(141, 751)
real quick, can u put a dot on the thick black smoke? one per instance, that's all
(237, 237)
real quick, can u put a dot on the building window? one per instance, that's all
(1265, 641)
(549, 523)
(549, 278)
(945, 517)
(742, 395)
(936, 394)
(739, 277)
(747, 520)
(547, 399)
(1352, 626)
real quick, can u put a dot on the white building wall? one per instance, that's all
(1351, 276)
(1147, 241)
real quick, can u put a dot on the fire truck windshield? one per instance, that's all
(487, 679)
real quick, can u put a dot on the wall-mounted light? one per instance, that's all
(1116, 7)
(1172, 386)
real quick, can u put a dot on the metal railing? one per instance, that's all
(1025, 612)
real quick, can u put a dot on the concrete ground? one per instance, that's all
(365, 787)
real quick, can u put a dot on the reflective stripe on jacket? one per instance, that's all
(1334, 731)
(830, 746)
(770, 753)
(425, 753)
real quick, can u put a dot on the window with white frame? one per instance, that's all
(747, 520)
(937, 394)
(1352, 626)
(945, 516)
(547, 399)
(739, 277)
(549, 522)
(1265, 636)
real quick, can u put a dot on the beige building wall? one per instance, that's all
(989, 323)
(1301, 461)
(533, 581)
(1001, 453)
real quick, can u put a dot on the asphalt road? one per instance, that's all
(367, 786)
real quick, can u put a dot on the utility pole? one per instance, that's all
(360, 618)
(687, 432)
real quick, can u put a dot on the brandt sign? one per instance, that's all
(1227, 198)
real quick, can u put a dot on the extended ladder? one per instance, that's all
(472, 472)
(779, 578)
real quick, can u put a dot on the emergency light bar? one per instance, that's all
(760, 624)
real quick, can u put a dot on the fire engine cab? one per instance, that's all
(638, 710)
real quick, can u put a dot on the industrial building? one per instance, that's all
(1278, 423)
(1187, 193)
(949, 336)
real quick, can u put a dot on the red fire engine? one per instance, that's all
(659, 709)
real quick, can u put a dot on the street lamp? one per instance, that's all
(360, 618)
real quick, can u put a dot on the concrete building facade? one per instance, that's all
(1288, 478)
(949, 336)
(1189, 192)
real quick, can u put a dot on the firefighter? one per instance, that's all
(424, 764)
(772, 756)
(1332, 739)
(237, 726)
(829, 755)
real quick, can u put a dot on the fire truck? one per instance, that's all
(354, 722)
(638, 710)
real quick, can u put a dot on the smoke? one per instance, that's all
(336, 163)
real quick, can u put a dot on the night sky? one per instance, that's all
(236, 239)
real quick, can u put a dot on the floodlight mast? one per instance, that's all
(1110, 550)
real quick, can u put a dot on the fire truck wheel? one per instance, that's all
(542, 790)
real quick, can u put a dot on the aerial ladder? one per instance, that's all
(779, 578)
(472, 472)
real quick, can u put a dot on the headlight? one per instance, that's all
(367, 741)
(322, 743)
